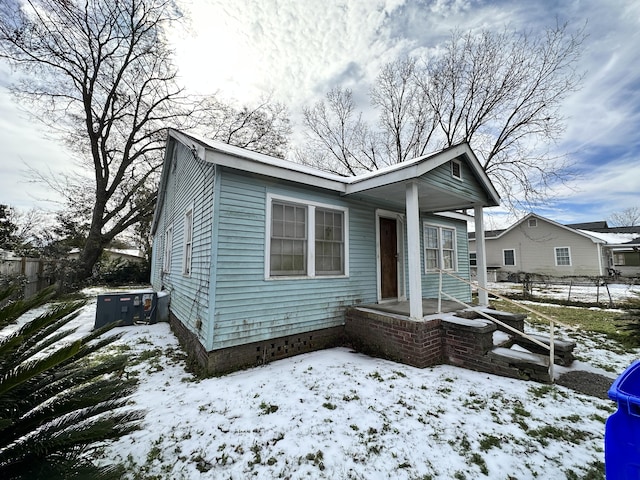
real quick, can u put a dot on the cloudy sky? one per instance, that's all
(299, 49)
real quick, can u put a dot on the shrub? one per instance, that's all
(57, 398)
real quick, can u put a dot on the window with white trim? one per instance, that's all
(288, 239)
(563, 256)
(509, 257)
(329, 242)
(306, 239)
(166, 253)
(439, 247)
(473, 259)
(188, 242)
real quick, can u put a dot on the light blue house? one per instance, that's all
(262, 256)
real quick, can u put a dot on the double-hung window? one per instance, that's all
(288, 239)
(440, 247)
(563, 256)
(166, 253)
(306, 239)
(329, 244)
(188, 242)
(509, 257)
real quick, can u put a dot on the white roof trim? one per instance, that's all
(544, 219)
(235, 157)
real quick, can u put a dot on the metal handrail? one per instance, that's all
(551, 320)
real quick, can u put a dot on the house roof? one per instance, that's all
(589, 225)
(493, 234)
(388, 183)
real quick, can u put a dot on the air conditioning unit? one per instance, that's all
(135, 307)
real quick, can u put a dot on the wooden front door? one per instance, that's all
(388, 258)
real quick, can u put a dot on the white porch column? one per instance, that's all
(413, 251)
(481, 256)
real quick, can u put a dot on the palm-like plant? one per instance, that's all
(58, 399)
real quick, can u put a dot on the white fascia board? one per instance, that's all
(248, 165)
(230, 156)
(456, 216)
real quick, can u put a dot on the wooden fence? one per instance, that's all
(37, 272)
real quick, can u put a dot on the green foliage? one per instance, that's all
(119, 272)
(58, 398)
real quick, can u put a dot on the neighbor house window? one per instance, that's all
(533, 222)
(456, 169)
(563, 256)
(306, 239)
(166, 254)
(509, 257)
(188, 242)
(473, 260)
(618, 259)
(440, 247)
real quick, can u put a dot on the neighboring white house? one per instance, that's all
(113, 254)
(538, 245)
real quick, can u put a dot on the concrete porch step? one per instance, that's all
(563, 349)
(529, 365)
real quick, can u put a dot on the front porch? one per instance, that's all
(456, 335)
(429, 307)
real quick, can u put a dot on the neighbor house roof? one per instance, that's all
(492, 234)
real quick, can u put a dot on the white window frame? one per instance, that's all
(440, 249)
(504, 263)
(459, 164)
(167, 249)
(187, 242)
(311, 207)
(555, 254)
(473, 259)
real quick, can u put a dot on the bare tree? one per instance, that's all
(340, 140)
(406, 121)
(99, 73)
(264, 127)
(501, 92)
(629, 217)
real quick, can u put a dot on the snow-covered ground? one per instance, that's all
(337, 414)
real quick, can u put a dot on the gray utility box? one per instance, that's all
(131, 307)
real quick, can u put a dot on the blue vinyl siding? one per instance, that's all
(189, 185)
(469, 187)
(250, 308)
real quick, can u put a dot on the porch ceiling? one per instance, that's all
(430, 198)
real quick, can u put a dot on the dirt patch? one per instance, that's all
(588, 383)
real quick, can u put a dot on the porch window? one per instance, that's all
(563, 256)
(188, 242)
(509, 257)
(166, 252)
(305, 239)
(440, 247)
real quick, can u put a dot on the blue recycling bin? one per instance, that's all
(622, 430)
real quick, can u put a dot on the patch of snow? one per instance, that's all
(500, 337)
